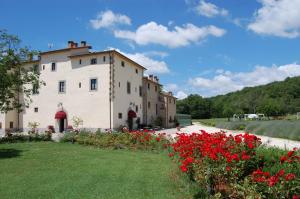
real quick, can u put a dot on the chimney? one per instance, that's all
(151, 77)
(70, 44)
(83, 43)
(170, 93)
(155, 78)
(75, 45)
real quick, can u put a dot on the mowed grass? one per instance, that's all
(62, 170)
(288, 129)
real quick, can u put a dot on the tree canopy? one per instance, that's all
(14, 77)
(277, 98)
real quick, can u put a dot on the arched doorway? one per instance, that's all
(61, 117)
(131, 115)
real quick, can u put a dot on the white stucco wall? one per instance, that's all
(150, 96)
(2, 120)
(171, 110)
(122, 100)
(91, 106)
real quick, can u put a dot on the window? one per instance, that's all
(53, 67)
(36, 109)
(0, 125)
(104, 58)
(120, 115)
(174, 101)
(136, 108)
(79, 85)
(35, 89)
(148, 104)
(93, 84)
(93, 61)
(136, 71)
(156, 110)
(62, 87)
(43, 67)
(155, 88)
(123, 63)
(170, 100)
(79, 61)
(36, 69)
(140, 91)
(148, 86)
(119, 84)
(128, 87)
(11, 125)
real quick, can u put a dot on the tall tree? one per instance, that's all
(15, 79)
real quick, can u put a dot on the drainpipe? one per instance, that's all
(110, 87)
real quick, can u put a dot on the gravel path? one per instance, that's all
(277, 142)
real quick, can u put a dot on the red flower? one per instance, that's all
(171, 154)
(290, 153)
(296, 197)
(283, 159)
(183, 168)
(245, 157)
(290, 176)
(157, 139)
(273, 180)
(228, 168)
(281, 172)
(235, 157)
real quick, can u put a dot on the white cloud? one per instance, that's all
(171, 87)
(181, 95)
(228, 81)
(153, 66)
(108, 19)
(153, 33)
(154, 53)
(210, 10)
(278, 18)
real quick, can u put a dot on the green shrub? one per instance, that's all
(25, 138)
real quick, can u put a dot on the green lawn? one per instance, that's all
(288, 129)
(62, 170)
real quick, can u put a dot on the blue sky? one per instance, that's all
(208, 47)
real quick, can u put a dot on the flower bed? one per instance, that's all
(146, 140)
(228, 166)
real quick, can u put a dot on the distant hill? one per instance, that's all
(273, 99)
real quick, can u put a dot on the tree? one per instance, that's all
(15, 79)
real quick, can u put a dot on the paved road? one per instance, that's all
(277, 142)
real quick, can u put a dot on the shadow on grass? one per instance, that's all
(9, 153)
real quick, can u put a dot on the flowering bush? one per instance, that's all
(223, 163)
(279, 181)
(147, 140)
